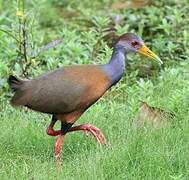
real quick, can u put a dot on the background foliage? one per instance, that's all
(89, 29)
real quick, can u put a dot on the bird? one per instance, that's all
(67, 92)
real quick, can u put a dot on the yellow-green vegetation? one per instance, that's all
(26, 152)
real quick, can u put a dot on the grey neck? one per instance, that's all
(116, 66)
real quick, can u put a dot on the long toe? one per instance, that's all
(99, 134)
(88, 128)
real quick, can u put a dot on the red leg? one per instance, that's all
(58, 147)
(65, 128)
(97, 133)
(50, 131)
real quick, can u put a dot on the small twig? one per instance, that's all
(19, 35)
(24, 41)
(23, 46)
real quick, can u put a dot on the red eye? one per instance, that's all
(134, 43)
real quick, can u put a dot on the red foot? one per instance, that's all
(58, 147)
(97, 133)
(52, 132)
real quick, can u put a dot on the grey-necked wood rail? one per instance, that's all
(69, 91)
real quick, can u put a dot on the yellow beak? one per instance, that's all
(147, 52)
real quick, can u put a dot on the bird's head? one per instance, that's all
(133, 43)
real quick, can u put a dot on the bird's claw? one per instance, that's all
(97, 133)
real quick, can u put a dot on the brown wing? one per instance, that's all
(66, 89)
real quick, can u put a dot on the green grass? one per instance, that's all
(133, 153)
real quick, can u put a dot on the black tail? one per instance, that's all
(14, 83)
